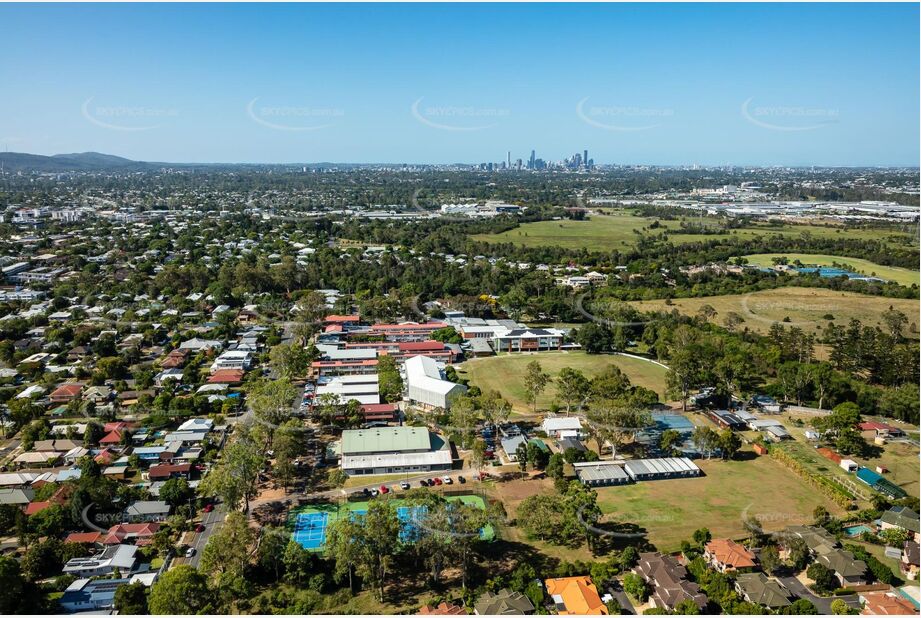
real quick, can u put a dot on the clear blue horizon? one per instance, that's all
(666, 84)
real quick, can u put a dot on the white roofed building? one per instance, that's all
(425, 385)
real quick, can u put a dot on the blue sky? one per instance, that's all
(793, 84)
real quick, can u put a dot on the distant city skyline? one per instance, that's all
(713, 84)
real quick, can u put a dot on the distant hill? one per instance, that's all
(75, 162)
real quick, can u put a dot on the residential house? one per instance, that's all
(901, 518)
(442, 609)
(575, 596)
(909, 563)
(66, 393)
(669, 581)
(147, 511)
(886, 603)
(763, 590)
(116, 557)
(848, 570)
(726, 555)
(505, 602)
(98, 395)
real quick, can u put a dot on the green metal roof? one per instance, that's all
(385, 440)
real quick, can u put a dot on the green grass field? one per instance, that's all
(902, 276)
(671, 510)
(622, 229)
(505, 373)
(806, 308)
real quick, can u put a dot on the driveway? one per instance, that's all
(823, 604)
(616, 590)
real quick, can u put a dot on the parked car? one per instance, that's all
(461, 480)
(423, 483)
(447, 479)
(436, 480)
(385, 489)
(373, 493)
(200, 528)
(208, 508)
(190, 552)
(404, 485)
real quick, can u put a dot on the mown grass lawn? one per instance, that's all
(806, 308)
(902, 276)
(671, 510)
(506, 373)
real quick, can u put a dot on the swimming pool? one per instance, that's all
(857, 530)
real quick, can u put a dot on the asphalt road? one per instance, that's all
(823, 604)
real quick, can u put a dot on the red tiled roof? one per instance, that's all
(67, 390)
(83, 537)
(443, 609)
(113, 437)
(227, 376)
(37, 507)
(730, 553)
(873, 426)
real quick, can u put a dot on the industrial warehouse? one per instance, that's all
(603, 473)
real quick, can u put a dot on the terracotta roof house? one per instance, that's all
(669, 581)
(575, 596)
(505, 602)
(226, 376)
(763, 590)
(113, 437)
(885, 603)
(83, 537)
(140, 533)
(726, 555)
(66, 393)
(442, 609)
(37, 507)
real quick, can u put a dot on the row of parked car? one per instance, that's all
(404, 485)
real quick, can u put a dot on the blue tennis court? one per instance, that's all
(310, 527)
(310, 530)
